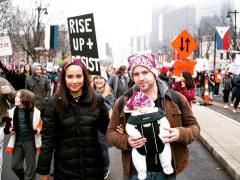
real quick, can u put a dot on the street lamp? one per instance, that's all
(235, 26)
(39, 10)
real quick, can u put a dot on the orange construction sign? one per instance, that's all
(184, 44)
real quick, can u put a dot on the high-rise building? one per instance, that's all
(176, 20)
(155, 35)
(140, 43)
(167, 23)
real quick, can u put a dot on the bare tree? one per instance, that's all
(5, 11)
(63, 41)
(23, 32)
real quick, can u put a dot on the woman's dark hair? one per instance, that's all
(30, 72)
(27, 98)
(63, 92)
(189, 82)
(121, 70)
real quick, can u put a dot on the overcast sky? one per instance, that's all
(113, 17)
(115, 20)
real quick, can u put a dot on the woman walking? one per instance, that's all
(71, 123)
(185, 85)
(100, 85)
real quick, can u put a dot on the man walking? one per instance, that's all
(39, 84)
(184, 127)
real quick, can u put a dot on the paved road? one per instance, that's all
(201, 165)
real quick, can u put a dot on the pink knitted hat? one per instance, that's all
(146, 60)
(139, 99)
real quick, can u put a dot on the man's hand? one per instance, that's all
(120, 129)
(6, 89)
(136, 142)
(132, 141)
(173, 135)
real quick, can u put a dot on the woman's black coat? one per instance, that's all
(73, 137)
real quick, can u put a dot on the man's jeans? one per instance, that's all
(152, 176)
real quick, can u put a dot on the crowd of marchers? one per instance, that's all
(72, 118)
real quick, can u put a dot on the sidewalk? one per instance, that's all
(221, 136)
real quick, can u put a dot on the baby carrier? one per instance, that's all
(148, 126)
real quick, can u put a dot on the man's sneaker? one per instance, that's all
(234, 111)
(225, 106)
(106, 174)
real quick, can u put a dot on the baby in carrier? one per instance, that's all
(148, 121)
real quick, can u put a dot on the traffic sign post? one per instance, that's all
(184, 44)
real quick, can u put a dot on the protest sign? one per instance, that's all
(5, 46)
(83, 41)
(185, 65)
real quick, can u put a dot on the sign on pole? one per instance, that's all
(184, 44)
(5, 46)
(83, 41)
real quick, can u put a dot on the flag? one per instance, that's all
(222, 37)
(51, 36)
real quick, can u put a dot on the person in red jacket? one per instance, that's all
(185, 85)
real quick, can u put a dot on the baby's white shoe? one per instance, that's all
(168, 170)
(142, 175)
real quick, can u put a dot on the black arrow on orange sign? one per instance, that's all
(181, 47)
(187, 41)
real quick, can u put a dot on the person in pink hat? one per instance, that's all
(184, 128)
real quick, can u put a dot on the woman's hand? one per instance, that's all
(182, 84)
(44, 177)
(11, 130)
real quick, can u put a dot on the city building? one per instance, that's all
(140, 43)
(168, 23)
(175, 20)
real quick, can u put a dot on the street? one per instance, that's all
(202, 164)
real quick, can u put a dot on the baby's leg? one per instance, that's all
(163, 123)
(132, 131)
(139, 162)
(166, 159)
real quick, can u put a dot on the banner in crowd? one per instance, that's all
(83, 41)
(222, 38)
(5, 46)
(185, 65)
(233, 68)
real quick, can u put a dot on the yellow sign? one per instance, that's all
(184, 44)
